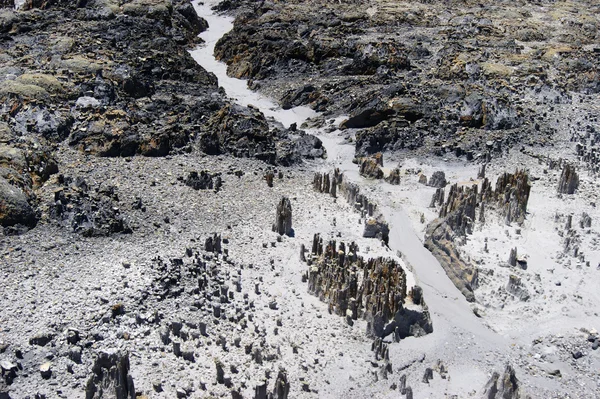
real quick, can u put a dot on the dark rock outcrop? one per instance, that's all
(371, 166)
(90, 212)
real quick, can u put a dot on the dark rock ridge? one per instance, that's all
(373, 289)
(244, 132)
(458, 215)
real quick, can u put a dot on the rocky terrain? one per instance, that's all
(349, 199)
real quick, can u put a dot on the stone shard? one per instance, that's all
(505, 386)
(512, 258)
(438, 180)
(437, 199)
(516, 288)
(394, 177)
(283, 218)
(213, 243)
(269, 176)
(428, 375)
(110, 378)
(371, 166)
(481, 172)
(260, 391)
(282, 386)
(586, 221)
(569, 180)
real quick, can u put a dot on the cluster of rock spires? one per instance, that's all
(571, 234)
(337, 185)
(373, 289)
(464, 205)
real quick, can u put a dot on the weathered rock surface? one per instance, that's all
(370, 166)
(438, 85)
